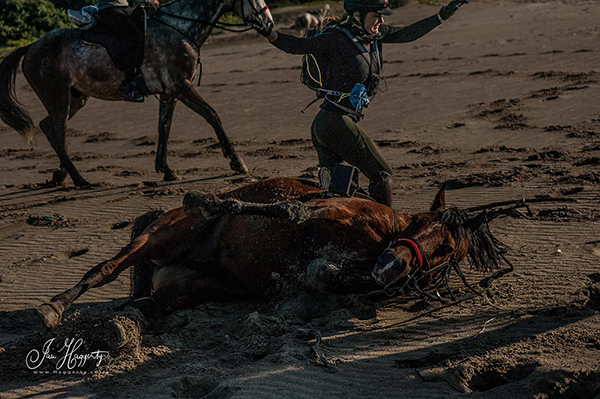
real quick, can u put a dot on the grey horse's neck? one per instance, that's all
(207, 11)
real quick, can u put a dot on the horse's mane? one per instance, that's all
(485, 252)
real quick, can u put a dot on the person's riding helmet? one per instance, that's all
(363, 6)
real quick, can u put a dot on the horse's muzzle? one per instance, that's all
(389, 269)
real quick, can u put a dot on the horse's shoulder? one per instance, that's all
(350, 208)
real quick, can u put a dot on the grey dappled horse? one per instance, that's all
(64, 71)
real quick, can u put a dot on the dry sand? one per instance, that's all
(501, 102)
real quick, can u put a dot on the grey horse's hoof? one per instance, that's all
(48, 315)
(171, 176)
(238, 164)
(59, 176)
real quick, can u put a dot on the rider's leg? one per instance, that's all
(327, 157)
(342, 137)
(116, 20)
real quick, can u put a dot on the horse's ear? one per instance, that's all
(439, 202)
(475, 222)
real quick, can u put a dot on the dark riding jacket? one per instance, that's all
(344, 64)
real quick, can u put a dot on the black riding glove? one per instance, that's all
(263, 27)
(447, 11)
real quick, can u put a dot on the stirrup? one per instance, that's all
(131, 93)
(324, 176)
(344, 180)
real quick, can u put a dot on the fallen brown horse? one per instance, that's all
(246, 243)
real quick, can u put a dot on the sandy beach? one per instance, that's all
(501, 102)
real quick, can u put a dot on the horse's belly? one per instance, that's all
(262, 253)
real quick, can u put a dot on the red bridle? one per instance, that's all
(414, 247)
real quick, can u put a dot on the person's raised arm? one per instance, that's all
(288, 43)
(419, 29)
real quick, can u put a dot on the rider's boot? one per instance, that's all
(131, 91)
(380, 188)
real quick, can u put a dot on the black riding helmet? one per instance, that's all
(363, 6)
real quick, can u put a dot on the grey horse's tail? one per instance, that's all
(11, 112)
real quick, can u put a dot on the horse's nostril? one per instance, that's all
(377, 277)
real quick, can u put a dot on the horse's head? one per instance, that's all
(252, 10)
(433, 241)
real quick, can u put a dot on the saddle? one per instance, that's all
(95, 34)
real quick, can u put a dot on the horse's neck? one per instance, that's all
(387, 221)
(209, 11)
(401, 221)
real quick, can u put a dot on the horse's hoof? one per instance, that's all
(82, 183)
(171, 176)
(238, 165)
(58, 177)
(48, 315)
(115, 335)
(200, 205)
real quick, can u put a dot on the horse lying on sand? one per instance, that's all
(64, 71)
(245, 243)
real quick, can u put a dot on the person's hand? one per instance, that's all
(447, 11)
(262, 26)
(153, 3)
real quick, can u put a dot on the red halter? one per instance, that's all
(416, 249)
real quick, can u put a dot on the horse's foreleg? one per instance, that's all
(324, 275)
(167, 106)
(192, 99)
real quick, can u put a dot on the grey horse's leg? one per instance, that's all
(192, 99)
(167, 107)
(61, 105)
(78, 100)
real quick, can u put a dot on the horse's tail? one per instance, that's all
(11, 112)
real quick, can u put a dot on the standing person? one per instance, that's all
(349, 54)
(114, 16)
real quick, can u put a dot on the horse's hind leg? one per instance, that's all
(143, 271)
(192, 99)
(166, 232)
(58, 102)
(167, 106)
(78, 100)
